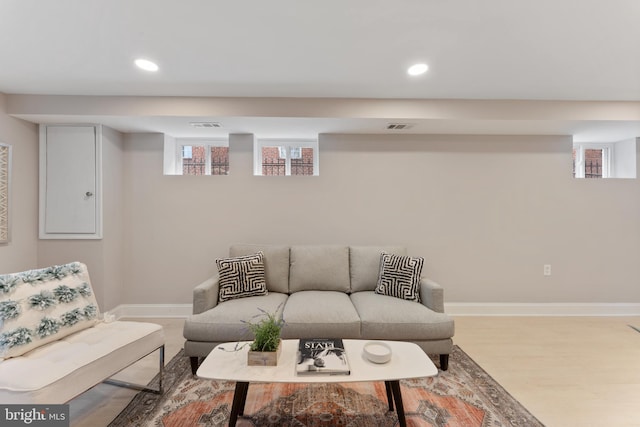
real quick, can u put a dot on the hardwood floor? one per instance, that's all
(568, 371)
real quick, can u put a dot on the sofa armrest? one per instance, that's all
(205, 295)
(432, 295)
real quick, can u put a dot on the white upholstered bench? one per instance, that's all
(59, 367)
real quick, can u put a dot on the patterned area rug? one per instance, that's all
(463, 396)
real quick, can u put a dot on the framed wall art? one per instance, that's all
(5, 182)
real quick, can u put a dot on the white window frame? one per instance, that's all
(287, 145)
(295, 152)
(207, 143)
(607, 157)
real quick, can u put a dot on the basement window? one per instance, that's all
(191, 156)
(277, 157)
(605, 160)
(592, 160)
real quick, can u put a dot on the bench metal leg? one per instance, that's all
(159, 390)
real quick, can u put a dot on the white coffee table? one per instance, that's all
(407, 361)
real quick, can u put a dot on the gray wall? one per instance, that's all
(21, 252)
(485, 211)
(104, 257)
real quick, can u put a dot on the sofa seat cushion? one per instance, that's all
(389, 318)
(320, 314)
(225, 321)
(58, 371)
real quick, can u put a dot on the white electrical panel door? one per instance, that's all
(70, 167)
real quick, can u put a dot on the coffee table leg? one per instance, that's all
(243, 400)
(387, 386)
(239, 397)
(397, 396)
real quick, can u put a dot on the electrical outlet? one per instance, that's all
(547, 269)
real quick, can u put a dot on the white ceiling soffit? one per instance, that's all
(305, 118)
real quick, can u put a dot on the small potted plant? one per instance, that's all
(265, 348)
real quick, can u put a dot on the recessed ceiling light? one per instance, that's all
(146, 65)
(417, 69)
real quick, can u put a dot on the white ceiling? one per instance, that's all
(573, 50)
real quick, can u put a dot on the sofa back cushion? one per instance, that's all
(44, 305)
(365, 265)
(320, 268)
(276, 263)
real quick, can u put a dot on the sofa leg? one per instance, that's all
(444, 362)
(195, 362)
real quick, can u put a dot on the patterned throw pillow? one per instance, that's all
(241, 277)
(40, 306)
(400, 276)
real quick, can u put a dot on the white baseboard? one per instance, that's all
(152, 310)
(541, 309)
(452, 308)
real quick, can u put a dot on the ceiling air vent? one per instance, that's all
(205, 124)
(399, 126)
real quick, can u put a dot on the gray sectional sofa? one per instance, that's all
(321, 292)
